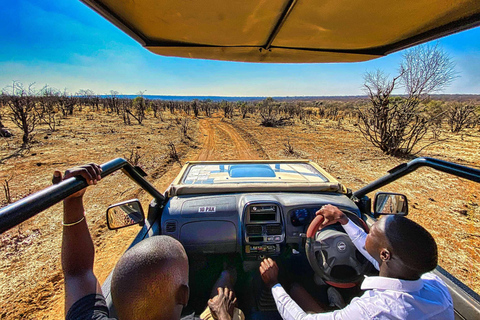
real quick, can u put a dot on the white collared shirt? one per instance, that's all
(384, 298)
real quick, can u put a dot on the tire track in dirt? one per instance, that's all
(246, 135)
(208, 143)
(239, 146)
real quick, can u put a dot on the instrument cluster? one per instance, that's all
(302, 216)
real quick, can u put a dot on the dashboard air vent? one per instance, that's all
(171, 226)
(254, 230)
(274, 229)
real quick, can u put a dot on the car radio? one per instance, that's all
(263, 214)
(264, 230)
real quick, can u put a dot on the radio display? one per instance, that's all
(263, 217)
(264, 209)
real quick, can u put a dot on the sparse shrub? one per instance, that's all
(289, 150)
(274, 121)
(24, 113)
(6, 189)
(460, 115)
(184, 128)
(67, 104)
(155, 105)
(207, 107)
(48, 100)
(172, 152)
(125, 106)
(112, 102)
(244, 109)
(171, 107)
(135, 156)
(436, 113)
(139, 105)
(227, 109)
(195, 108)
(396, 125)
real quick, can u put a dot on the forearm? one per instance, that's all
(358, 237)
(78, 251)
(290, 310)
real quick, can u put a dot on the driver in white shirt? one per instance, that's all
(403, 252)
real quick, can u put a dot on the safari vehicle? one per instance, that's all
(243, 211)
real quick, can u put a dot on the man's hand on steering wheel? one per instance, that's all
(329, 248)
(331, 215)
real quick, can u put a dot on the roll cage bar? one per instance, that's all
(406, 168)
(17, 212)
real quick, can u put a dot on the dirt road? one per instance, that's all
(223, 141)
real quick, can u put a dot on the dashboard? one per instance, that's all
(254, 225)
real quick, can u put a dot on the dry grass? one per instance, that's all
(31, 284)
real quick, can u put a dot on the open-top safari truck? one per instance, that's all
(246, 210)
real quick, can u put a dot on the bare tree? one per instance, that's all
(23, 110)
(67, 103)
(155, 105)
(397, 124)
(112, 102)
(460, 115)
(227, 109)
(126, 106)
(48, 100)
(195, 108)
(207, 107)
(139, 106)
(426, 69)
(184, 129)
(244, 109)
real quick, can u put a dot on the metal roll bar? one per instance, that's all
(406, 168)
(23, 209)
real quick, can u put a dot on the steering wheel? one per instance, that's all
(329, 251)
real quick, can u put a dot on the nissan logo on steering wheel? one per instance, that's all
(341, 246)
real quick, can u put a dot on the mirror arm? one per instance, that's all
(137, 177)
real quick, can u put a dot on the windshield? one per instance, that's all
(252, 173)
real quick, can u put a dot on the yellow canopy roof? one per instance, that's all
(289, 31)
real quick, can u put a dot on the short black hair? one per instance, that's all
(147, 277)
(412, 243)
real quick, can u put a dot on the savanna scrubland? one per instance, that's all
(57, 131)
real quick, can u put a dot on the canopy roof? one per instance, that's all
(289, 31)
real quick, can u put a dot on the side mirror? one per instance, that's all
(125, 214)
(390, 203)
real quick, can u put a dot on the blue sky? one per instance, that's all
(66, 45)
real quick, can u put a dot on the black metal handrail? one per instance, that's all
(25, 208)
(406, 168)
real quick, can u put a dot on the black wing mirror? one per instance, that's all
(125, 214)
(390, 203)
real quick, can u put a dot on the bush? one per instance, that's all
(460, 115)
(396, 125)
